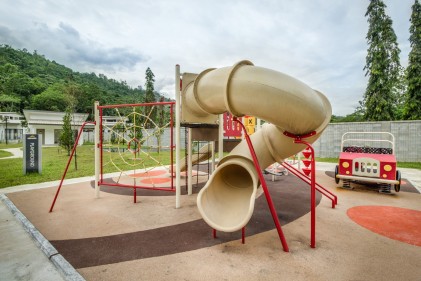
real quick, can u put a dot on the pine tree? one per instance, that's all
(382, 65)
(412, 108)
(150, 97)
(66, 137)
(149, 86)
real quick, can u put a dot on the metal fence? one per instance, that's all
(407, 137)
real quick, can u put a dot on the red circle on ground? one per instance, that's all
(396, 223)
(149, 174)
(155, 180)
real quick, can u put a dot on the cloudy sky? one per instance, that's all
(321, 42)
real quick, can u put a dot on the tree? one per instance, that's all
(52, 99)
(66, 138)
(150, 97)
(382, 65)
(27, 75)
(161, 122)
(9, 103)
(412, 104)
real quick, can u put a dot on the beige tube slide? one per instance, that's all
(226, 203)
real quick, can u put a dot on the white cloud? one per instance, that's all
(320, 42)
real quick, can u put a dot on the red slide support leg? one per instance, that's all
(265, 188)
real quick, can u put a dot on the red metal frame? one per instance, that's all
(101, 179)
(298, 140)
(136, 104)
(264, 186)
(68, 163)
(100, 146)
(101, 182)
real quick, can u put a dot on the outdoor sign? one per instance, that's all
(32, 153)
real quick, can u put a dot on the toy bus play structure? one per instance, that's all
(370, 158)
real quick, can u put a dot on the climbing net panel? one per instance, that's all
(136, 142)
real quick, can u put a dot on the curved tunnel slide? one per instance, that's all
(226, 203)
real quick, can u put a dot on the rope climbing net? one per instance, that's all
(136, 140)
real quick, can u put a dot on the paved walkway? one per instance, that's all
(17, 153)
(22, 255)
(21, 258)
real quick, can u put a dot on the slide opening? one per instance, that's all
(227, 201)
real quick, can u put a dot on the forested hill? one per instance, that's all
(31, 81)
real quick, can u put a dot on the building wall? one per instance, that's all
(14, 127)
(49, 137)
(407, 137)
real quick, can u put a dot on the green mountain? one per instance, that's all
(30, 81)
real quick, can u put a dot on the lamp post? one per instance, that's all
(5, 119)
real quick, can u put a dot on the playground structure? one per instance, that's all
(360, 161)
(296, 115)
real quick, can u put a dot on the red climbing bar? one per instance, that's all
(319, 188)
(136, 104)
(68, 163)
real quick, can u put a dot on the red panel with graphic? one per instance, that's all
(231, 128)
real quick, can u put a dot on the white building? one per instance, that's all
(11, 129)
(49, 124)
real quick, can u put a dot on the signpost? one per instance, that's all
(32, 153)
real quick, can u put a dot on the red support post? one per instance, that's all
(264, 186)
(68, 163)
(101, 180)
(312, 193)
(172, 145)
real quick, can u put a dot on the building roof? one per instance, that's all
(43, 117)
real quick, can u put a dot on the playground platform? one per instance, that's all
(112, 238)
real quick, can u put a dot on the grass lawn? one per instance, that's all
(5, 153)
(10, 145)
(54, 160)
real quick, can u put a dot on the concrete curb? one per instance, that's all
(64, 267)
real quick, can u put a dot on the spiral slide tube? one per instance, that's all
(226, 202)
